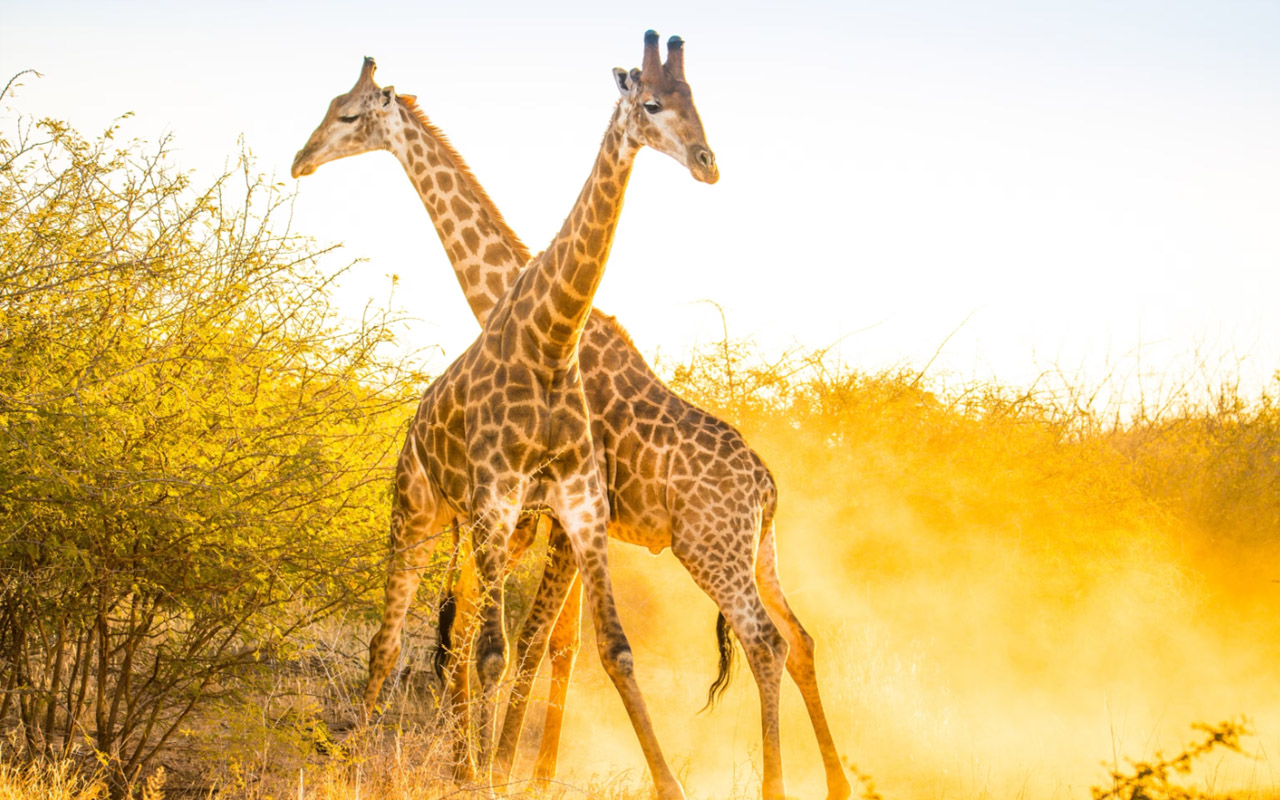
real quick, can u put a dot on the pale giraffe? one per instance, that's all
(506, 426)
(676, 475)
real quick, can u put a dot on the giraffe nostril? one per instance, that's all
(706, 159)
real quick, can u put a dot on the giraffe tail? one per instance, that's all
(724, 642)
(444, 640)
(448, 609)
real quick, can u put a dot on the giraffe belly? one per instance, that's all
(656, 538)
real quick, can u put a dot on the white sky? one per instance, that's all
(1077, 179)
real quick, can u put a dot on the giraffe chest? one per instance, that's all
(527, 423)
(502, 428)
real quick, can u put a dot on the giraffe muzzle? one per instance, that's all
(703, 166)
(301, 164)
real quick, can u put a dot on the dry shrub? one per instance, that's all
(1157, 779)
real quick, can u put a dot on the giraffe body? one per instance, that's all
(675, 475)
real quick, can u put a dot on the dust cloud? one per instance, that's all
(1003, 607)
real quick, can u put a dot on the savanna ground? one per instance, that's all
(1014, 589)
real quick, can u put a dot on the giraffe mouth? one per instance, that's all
(302, 165)
(703, 166)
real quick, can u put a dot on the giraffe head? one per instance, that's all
(657, 109)
(361, 120)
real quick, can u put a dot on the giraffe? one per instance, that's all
(506, 425)
(676, 475)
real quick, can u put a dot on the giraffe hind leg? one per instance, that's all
(416, 520)
(725, 574)
(800, 663)
(566, 639)
(557, 577)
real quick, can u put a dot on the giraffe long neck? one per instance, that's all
(486, 254)
(565, 278)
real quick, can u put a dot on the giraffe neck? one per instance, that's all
(565, 278)
(486, 254)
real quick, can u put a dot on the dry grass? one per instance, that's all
(61, 781)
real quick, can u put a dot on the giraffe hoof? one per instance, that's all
(841, 790)
(671, 791)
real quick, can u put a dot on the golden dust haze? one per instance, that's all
(1005, 591)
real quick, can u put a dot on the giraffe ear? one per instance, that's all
(388, 94)
(623, 80)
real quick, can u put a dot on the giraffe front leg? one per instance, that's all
(494, 523)
(566, 638)
(559, 573)
(585, 519)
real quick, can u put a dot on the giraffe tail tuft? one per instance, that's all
(444, 640)
(724, 642)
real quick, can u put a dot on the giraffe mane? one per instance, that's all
(411, 105)
(617, 329)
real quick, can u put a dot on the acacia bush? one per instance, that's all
(194, 446)
(1216, 461)
(991, 520)
(973, 450)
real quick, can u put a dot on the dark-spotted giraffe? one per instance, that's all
(676, 475)
(506, 426)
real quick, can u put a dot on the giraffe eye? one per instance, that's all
(349, 119)
(652, 107)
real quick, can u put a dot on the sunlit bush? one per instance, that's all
(194, 447)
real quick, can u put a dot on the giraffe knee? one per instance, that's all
(807, 644)
(781, 647)
(774, 646)
(617, 660)
(491, 660)
(384, 651)
(802, 647)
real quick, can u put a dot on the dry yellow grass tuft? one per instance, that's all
(44, 781)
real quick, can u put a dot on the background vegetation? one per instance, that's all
(194, 462)
(193, 448)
